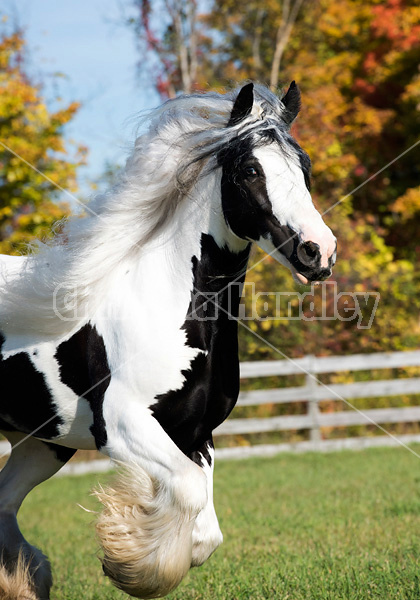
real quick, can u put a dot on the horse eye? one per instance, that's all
(250, 172)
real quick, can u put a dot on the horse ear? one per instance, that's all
(292, 102)
(243, 105)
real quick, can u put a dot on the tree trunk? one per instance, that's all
(289, 15)
(256, 43)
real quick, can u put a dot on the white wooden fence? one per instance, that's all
(313, 391)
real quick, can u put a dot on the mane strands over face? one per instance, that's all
(182, 142)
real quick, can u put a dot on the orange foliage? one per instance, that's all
(34, 136)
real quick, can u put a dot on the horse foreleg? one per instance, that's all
(206, 533)
(146, 526)
(25, 573)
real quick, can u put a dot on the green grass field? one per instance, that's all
(296, 527)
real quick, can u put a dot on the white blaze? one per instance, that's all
(291, 201)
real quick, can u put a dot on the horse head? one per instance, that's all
(266, 185)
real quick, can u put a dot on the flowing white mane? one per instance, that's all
(181, 142)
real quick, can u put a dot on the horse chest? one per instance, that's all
(210, 390)
(211, 387)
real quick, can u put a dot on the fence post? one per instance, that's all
(313, 406)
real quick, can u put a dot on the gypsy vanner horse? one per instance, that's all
(108, 338)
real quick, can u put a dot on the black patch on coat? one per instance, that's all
(26, 403)
(84, 369)
(211, 385)
(246, 206)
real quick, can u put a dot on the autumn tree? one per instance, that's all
(34, 158)
(387, 79)
(169, 37)
(251, 43)
(357, 63)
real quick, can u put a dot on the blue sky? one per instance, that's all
(84, 40)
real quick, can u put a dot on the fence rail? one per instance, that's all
(312, 392)
(330, 364)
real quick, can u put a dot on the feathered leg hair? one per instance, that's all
(145, 534)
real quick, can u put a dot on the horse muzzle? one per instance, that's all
(309, 265)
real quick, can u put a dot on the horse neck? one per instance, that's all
(194, 253)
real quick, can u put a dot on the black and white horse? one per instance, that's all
(108, 338)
